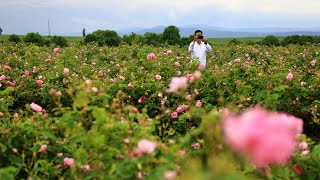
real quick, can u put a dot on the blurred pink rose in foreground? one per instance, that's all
(146, 146)
(263, 137)
(177, 84)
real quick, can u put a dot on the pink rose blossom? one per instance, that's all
(3, 77)
(305, 153)
(146, 146)
(55, 49)
(237, 60)
(177, 84)
(170, 175)
(197, 74)
(298, 169)
(158, 77)
(65, 71)
(68, 161)
(174, 115)
(101, 73)
(122, 78)
(201, 66)
(95, 89)
(130, 85)
(303, 145)
(85, 167)
(36, 107)
(151, 56)
(142, 99)
(169, 52)
(39, 82)
(177, 63)
(313, 62)
(199, 103)
(196, 145)
(289, 76)
(43, 148)
(256, 132)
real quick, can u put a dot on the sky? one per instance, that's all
(71, 16)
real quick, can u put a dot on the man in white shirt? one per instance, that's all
(199, 47)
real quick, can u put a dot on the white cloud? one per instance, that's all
(84, 21)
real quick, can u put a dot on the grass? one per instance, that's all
(70, 39)
(213, 41)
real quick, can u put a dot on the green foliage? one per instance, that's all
(150, 38)
(91, 115)
(104, 37)
(14, 38)
(35, 38)
(234, 41)
(171, 35)
(271, 41)
(59, 41)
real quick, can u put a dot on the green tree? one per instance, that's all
(14, 38)
(234, 41)
(171, 35)
(104, 37)
(271, 41)
(0, 30)
(34, 38)
(59, 41)
(151, 38)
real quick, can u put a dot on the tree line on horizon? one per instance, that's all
(170, 36)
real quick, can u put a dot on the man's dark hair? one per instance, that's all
(197, 32)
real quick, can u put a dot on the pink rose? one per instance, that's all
(151, 56)
(43, 148)
(142, 99)
(174, 115)
(130, 85)
(196, 145)
(177, 63)
(85, 167)
(158, 77)
(36, 107)
(55, 49)
(201, 66)
(2, 77)
(199, 103)
(65, 71)
(289, 76)
(177, 84)
(146, 146)
(256, 133)
(303, 145)
(313, 62)
(68, 161)
(101, 73)
(237, 60)
(170, 175)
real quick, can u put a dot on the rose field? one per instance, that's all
(144, 112)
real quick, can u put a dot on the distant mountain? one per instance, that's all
(220, 32)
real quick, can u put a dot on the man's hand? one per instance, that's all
(195, 38)
(205, 40)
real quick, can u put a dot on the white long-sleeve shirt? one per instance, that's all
(199, 51)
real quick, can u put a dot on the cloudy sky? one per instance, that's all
(69, 16)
